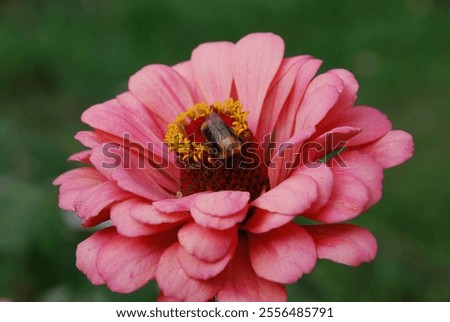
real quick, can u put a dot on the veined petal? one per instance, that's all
(185, 71)
(162, 90)
(392, 149)
(282, 255)
(211, 63)
(255, 61)
(291, 197)
(199, 269)
(206, 244)
(349, 197)
(262, 221)
(285, 126)
(147, 214)
(74, 182)
(128, 226)
(279, 91)
(87, 252)
(126, 264)
(242, 284)
(343, 243)
(321, 95)
(174, 282)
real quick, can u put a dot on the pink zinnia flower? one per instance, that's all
(197, 219)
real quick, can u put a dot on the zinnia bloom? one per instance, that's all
(204, 169)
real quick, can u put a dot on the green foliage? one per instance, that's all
(59, 57)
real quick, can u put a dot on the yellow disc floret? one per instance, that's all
(181, 142)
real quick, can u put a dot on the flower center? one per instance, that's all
(215, 150)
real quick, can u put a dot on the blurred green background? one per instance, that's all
(59, 57)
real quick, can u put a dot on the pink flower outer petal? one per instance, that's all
(202, 270)
(82, 156)
(278, 93)
(126, 264)
(365, 169)
(185, 71)
(147, 214)
(282, 255)
(263, 221)
(128, 226)
(206, 244)
(343, 243)
(205, 220)
(321, 95)
(323, 177)
(91, 202)
(392, 149)
(371, 121)
(255, 61)
(348, 199)
(89, 138)
(87, 252)
(222, 203)
(285, 127)
(211, 64)
(162, 90)
(244, 285)
(174, 282)
(177, 204)
(74, 182)
(291, 197)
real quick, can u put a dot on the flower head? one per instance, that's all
(202, 167)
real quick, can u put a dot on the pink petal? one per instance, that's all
(329, 141)
(321, 95)
(131, 172)
(75, 182)
(255, 60)
(365, 169)
(185, 70)
(323, 177)
(176, 204)
(206, 244)
(285, 126)
(202, 270)
(212, 70)
(89, 138)
(282, 255)
(373, 124)
(127, 264)
(343, 243)
(162, 90)
(82, 156)
(147, 214)
(222, 203)
(174, 282)
(132, 104)
(128, 226)
(291, 197)
(278, 93)
(243, 285)
(87, 252)
(348, 199)
(287, 155)
(351, 86)
(392, 149)
(262, 221)
(220, 210)
(89, 203)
